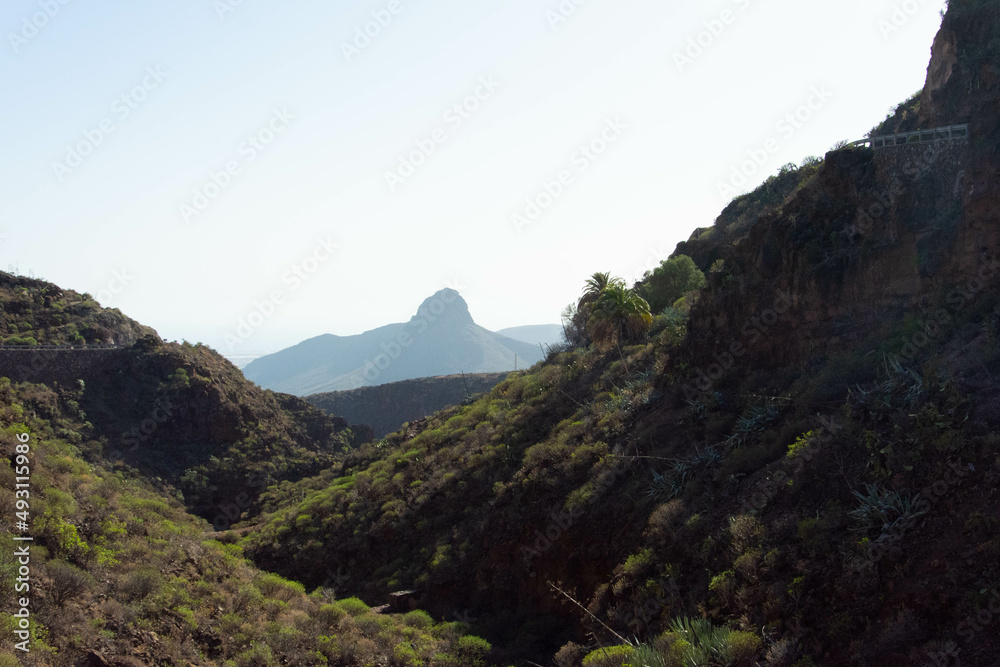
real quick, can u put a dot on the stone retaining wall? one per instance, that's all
(54, 365)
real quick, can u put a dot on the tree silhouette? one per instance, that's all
(619, 315)
(670, 281)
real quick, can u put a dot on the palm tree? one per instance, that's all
(594, 288)
(619, 315)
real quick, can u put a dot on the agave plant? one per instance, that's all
(706, 644)
(882, 509)
(752, 422)
(662, 489)
(665, 487)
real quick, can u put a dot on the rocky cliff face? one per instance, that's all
(876, 231)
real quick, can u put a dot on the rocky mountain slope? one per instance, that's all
(178, 413)
(118, 574)
(38, 313)
(811, 473)
(805, 472)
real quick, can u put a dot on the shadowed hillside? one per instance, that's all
(792, 460)
(178, 413)
(795, 466)
(386, 407)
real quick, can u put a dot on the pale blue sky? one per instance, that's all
(114, 225)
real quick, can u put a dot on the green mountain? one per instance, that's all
(795, 466)
(440, 339)
(119, 574)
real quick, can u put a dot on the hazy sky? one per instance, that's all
(194, 161)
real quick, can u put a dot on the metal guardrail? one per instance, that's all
(94, 346)
(947, 133)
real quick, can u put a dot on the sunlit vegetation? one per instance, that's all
(120, 569)
(829, 501)
(35, 313)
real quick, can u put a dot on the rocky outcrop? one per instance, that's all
(876, 231)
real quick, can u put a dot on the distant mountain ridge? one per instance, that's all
(387, 407)
(536, 334)
(440, 339)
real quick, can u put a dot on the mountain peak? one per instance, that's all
(445, 307)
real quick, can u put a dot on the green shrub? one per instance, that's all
(257, 655)
(68, 581)
(666, 652)
(472, 650)
(612, 656)
(330, 614)
(723, 586)
(19, 340)
(670, 281)
(636, 564)
(418, 619)
(141, 583)
(404, 654)
(743, 648)
(801, 444)
(353, 606)
(187, 615)
(277, 587)
(747, 531)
